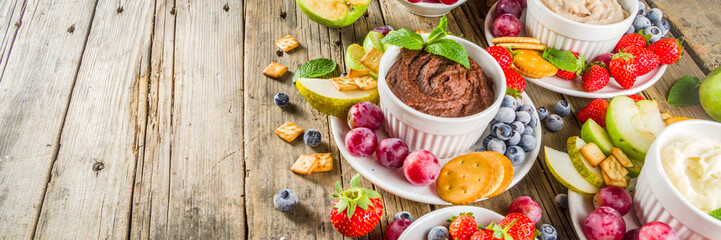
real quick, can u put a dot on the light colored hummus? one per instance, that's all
(694, 167)
(599, 12)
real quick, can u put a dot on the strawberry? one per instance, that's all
(567, 74)
(636, 97)
(631, 39)
(595, 78)
(518, 226)
(502, 55)
(644, 59)
(462, 226)
(514, 82)
(669, 50)
(357, 210)
(484, 234)
(623, 69)
(595, 110)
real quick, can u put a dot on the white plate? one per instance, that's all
(579, 206)
(419, 229)
(394, 181)
(575, 87)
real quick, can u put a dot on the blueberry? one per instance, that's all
(505, 115)
(281, 99)
(663, 25)
(516, 155)
(312, 138)
(533, 122)
(509, 102)
(486, 140)
(542, 113)
(523, 117)
(641, 22)
(514, 139)
(526, 108)
(561, 201)
(345, 74)
(655, 33)
(439, 233)
(285, 200)
(504, 132)
(641, 8)
(494, 127)
(527, 143)
(497, 145)
(528, 130)
(554, 123)
(562, 108)
(481, 149)
(548, 232)
(403, 214)
(518, 126)
(631, 29)
(654, 14)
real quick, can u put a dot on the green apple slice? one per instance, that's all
(634, 171)
(592, 132)
(560, 165)
(353, 56)
(333, 13)
(324, 97)
(627, 129)
(592, 174)
(651, 116)
(373, 40)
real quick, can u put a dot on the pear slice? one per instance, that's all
(592, 174)
(324, 97)
(560, 165)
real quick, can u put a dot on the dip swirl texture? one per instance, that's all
(599, 12)
(694, 167)
(440, 87)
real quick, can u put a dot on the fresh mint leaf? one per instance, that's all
(315, 68)
(404, 38)
(716, 214)
(449, 49)
(564, 60)
(438, 32)
(684, 92)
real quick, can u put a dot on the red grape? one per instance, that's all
(657, 231)
(506, 25)
(508, 6)
(383, 29)
(631, 234)
(391, 152)
(604, 223)
(421, 167)
(527, 206)
(396, 228)
(431, 1)
(449, 2)
(414, 1)
(613, 197)
(522, 3)
(604, 58)
(365, 114)
(361, 142)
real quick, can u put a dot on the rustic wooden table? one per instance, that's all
(151, 119)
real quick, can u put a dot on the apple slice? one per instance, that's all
(560, 165)
(627, 129)
(373, 40)
(651, 116)
(592, 174)
(592, 132)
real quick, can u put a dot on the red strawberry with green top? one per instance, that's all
(636, 97)
(357, 210)
(669, 50)
(595, 110)
(644, 59)
(623, 69)
(502, 55)
(595, 78)
(484, 234)
(568, 75)
(518, 226)
(631, 39)
(462, 226)
(515, 85)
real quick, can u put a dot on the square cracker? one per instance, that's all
(621, 157)
(354, 73)
(344, 84)
(618, 183)
(275, 70)
(305, 164)
(288, 131)
(420, 31)
(366, 82)
(593, 154)
(325, 162)
(287, 43)
(614, 169)
(372, 59)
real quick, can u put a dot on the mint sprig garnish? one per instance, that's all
(315, 68)
(564, 59)
(436, 44)
(685, 92)
(716, 214)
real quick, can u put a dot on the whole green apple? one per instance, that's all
(333, 13)
(710, 94)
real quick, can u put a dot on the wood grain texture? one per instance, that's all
(35, 88)
(10, 20)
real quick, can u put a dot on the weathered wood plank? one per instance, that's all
(206, 170)
(10, 20)
(103, 133)
(35, 89)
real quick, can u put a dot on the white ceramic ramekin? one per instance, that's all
(656, 199)
(429, 9)
(444, 137)
(590, 40)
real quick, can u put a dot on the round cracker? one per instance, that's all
(531, 64)
(465, 178)
(498, 172)
(507, 173)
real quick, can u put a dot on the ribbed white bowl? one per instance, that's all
(444, 137)
(590, 40)
(429, 9)
(656, 199)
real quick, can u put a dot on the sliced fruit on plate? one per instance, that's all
(324, 97)
(562, 168)
(592, 174)
(592, 132)
(373, 39)
(626, 128)
(353, 57)
(333, 13)
(651, 116)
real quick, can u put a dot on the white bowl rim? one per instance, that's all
(498, 98)
(436, 5)
(631, 16)
(661, 138)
